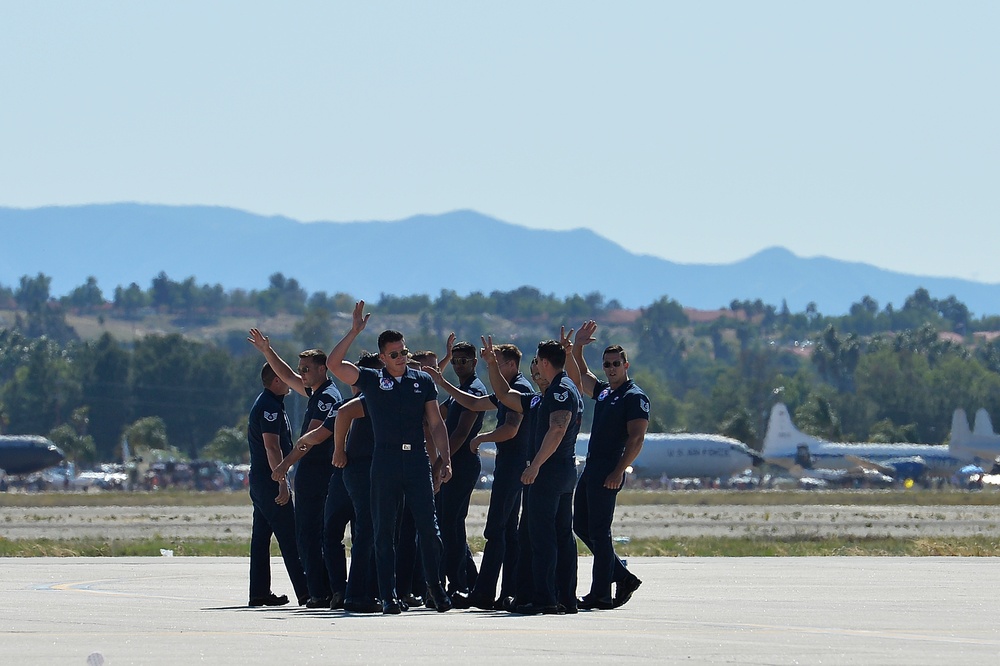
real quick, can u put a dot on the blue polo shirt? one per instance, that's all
(322, 406)
(474, 386)
(612, 412)
(267, 416)
(515, 450)
(396, 406)
(562, 395)
(361, 438)
(529, 409)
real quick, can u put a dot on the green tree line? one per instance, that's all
(873, 374)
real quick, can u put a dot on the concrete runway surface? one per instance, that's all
(831, 610)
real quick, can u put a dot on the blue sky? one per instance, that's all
(698, 132)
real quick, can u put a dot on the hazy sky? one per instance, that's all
(697, 131)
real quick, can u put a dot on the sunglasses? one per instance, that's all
(304, 370)
(608, 364)
(396, 354)
(462, 361)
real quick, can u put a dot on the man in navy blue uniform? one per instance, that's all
(512, 443)
(529, 405)
(453, 500)
(399, 400)
(270, 437)
(621, 415)
(354, 445)
(551, 475)
(354, 441)
(322, 506)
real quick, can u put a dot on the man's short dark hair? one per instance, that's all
(463, 347)
(553, 352)
(317, 356)
(369, 360)
(422, 356)
(616, 349)
(509, 352)
(388, 337)
(267, 375)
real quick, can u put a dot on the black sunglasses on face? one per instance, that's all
(462, 361)
(304, 370)
(608, 364)
(396, 354)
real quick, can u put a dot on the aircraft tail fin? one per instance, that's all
(983, 425)
(960, 433)
(782, 437)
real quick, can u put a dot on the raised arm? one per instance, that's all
(584, 337)
(344, 370)
(572, 368)
(263, 344)
(505, 394)
(475, 403)
(446, 359)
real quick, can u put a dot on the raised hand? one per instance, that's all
(488, 351)
(586, 334)
(260, 341)
(565, 339)
(360, 319)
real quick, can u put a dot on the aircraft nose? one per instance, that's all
(55, 455)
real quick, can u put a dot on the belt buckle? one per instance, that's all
(406, 447)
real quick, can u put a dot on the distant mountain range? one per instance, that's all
(463, 251)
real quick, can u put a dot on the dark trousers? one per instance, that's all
(524, 584)
(362, 583)
(310, 505)
(410, 575)
(593, 515)
(268, 519)
(397, 475)
(338, 512)
(453, 508)
(501, 533)
(550, 525)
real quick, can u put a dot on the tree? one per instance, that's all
(85, 297)
(33, 293)
(314, 329)
(228, 445)
(73, 439)
(43, 391)
(107, 391)
(149, 432)
(130, 300)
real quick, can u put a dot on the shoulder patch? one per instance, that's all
(535, 400)
(324, 406)
(270, 416)
(561, 397)
(644, 404)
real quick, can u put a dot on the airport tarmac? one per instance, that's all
(832, 610)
